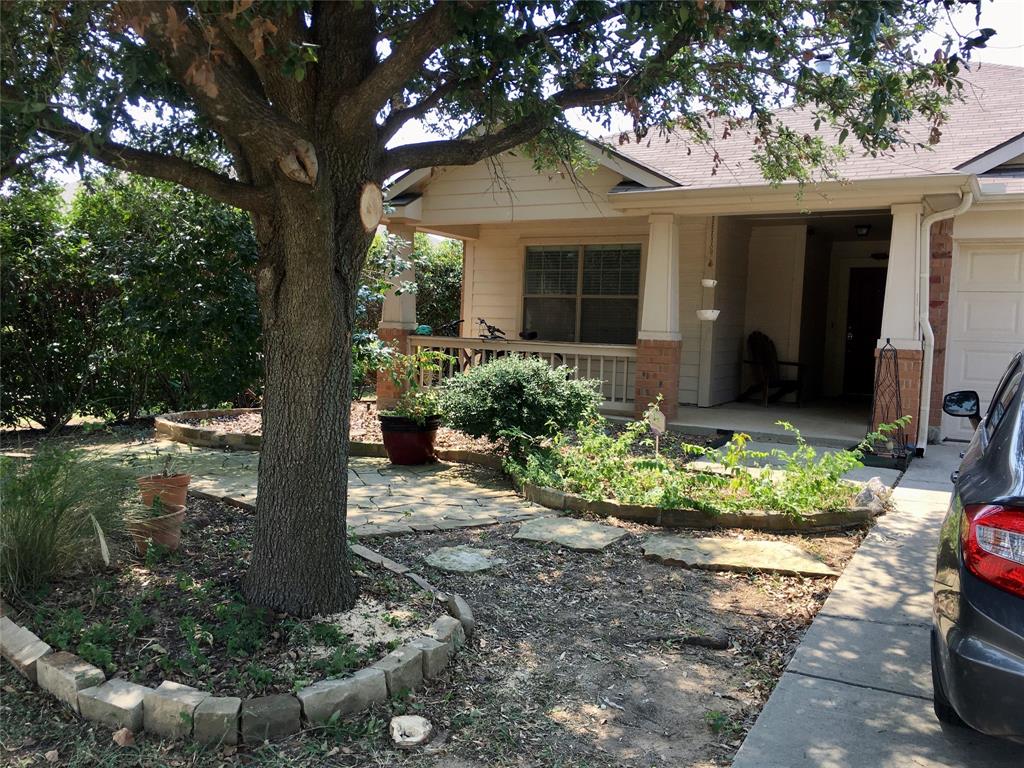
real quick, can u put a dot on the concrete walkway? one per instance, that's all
(858, 690)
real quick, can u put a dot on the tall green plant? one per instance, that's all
(58, 512)
(182, 328)
(50, 297)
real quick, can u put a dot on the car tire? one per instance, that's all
(943, 709)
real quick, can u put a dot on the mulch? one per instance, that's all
(181, 616)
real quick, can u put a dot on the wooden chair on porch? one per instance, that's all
(766, 367)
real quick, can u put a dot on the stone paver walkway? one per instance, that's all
(570, 532)
(383, 499)
(857, 693)
(715, 554)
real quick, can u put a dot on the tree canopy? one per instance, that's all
(137, 84)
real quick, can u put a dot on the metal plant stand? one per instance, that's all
(886, 404)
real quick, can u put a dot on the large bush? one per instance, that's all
(50, 296)
(182, 329)
(58, 512)
(137, 298)
(517, 399)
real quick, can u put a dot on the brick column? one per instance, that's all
(658, 345)
(657, 373)
(387, 392)
(910, 363)
(938, 309)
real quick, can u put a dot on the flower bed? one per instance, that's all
(166, 626)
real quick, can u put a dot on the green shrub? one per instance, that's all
(181, 328)
(517, 399)
(58, 512)
(49, 300)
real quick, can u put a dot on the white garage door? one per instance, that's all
(986, 322)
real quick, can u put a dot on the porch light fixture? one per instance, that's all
(708, 315)
(862, 230)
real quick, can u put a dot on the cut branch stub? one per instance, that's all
(371, 206)
(300, 164)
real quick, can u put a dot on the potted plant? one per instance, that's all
(410, 427)
(170, 488)
(161, 523)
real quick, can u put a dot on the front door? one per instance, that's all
(863, 324)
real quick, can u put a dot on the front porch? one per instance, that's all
(829, 423)
(663, 304)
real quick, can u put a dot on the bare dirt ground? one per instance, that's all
(576, 660)
(574, 664)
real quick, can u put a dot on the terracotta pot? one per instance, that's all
(170, 489)
(164, 530)
(408, 442)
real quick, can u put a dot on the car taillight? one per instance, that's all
(993, 545)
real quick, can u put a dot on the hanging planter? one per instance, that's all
(708, 282)
(708, 315)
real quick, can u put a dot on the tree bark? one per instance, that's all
(312, 248)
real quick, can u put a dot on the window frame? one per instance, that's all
(581, 245)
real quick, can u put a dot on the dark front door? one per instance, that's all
(863, 324)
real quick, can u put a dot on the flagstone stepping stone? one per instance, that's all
(570, 532)
(463, 559)
(713, 554)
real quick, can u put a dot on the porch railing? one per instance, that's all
(614, 365)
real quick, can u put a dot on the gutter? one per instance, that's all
(924, 257)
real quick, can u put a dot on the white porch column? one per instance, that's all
(659, 314)
(899, 314)
(900, 324)
(399, 311)
(658, 346)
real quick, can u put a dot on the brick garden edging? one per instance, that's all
(758, 520)
(176, 711)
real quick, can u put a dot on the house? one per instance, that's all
(922, 250)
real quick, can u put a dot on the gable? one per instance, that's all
(505, 189)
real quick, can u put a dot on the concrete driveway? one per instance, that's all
(858, 690)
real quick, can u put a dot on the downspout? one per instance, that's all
(924, 244)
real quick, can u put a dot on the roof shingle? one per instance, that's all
(991, 113)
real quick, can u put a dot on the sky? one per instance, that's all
(1007, 47)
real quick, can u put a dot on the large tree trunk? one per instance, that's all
(311, 252)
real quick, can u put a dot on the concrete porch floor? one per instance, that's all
(826, 423)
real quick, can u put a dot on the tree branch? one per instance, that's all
(229, 95)
(471, 150)
(156, 165)
(426, 34)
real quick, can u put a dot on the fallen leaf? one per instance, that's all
(123, 737)
(52, 756)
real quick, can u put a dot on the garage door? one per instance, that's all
(986, 322)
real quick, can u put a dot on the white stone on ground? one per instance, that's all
(463, 559)
(719, 554)
(410, 730)
(570, 532)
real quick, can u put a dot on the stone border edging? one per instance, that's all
(757, 520)
(176, 711)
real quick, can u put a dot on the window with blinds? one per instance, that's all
(585, 293)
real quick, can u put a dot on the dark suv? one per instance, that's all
(978, 612)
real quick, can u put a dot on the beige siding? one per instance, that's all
(511, 190)
(732, 241)
(693, 249)
(493, 281)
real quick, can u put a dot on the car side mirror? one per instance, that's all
(964, 403)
